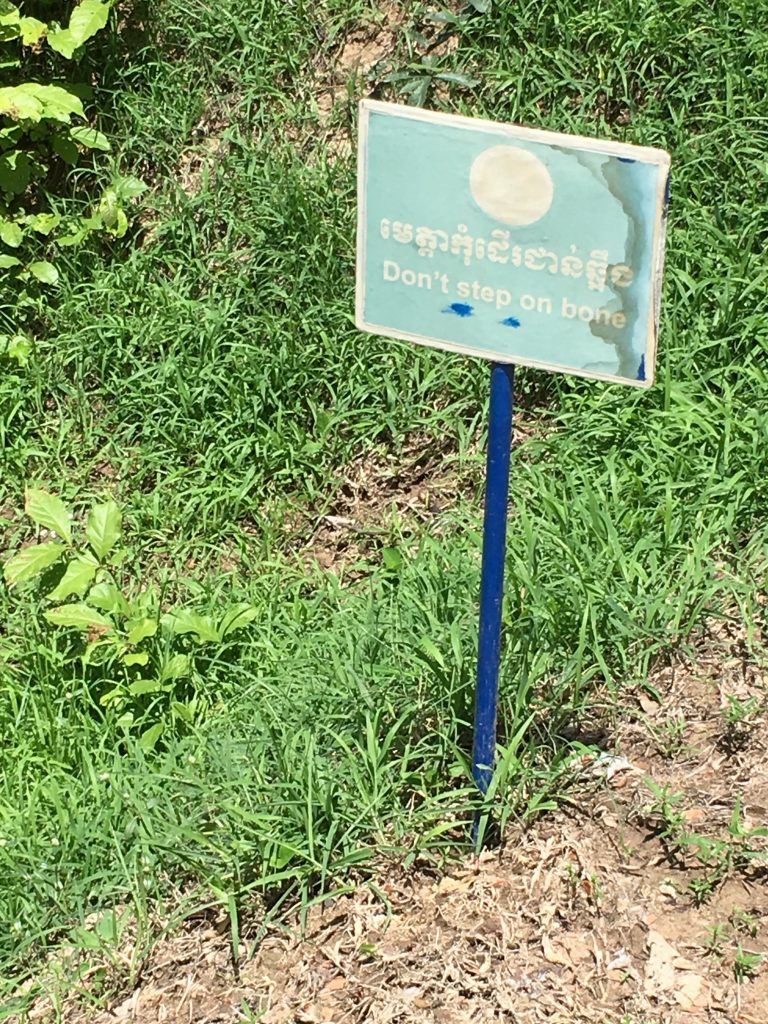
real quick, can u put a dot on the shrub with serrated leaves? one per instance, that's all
(142, 663)
(43, 130)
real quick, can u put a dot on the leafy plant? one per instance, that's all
(666, 811)
(670, 735)
(717, 935)
(735, 851)
(746, 964)
(415, 81)
(739, 717)
(745, 922)
(43, 127)
(704, 886)
(738, 712)
(718, 855)
(143, 661)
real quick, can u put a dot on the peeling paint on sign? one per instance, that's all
(467, 228)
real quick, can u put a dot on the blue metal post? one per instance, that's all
(492, 582)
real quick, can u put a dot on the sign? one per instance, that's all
(513, 244)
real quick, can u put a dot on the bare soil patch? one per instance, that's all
(386, 494)
(381, 494)
(358, 63)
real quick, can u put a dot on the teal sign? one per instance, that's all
(513, 244)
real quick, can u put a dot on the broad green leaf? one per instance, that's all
(455, 78)
(49, 510)
(6, 262)
(120, 225)
(432, 651)
(112, 215)
(109, 204)
(86, 20)
(15, 172)
(9, 15)
(114, 694)
(83, 939)
(62, 41)
(31, 30)
(184, 711)
(90, 138)
(20, 105)
(186, 621)
(128, 187)
(144, 686)
(107, 597)
(176, 668)
(416, 90)
(64, 147)
(44, 271)
(140, 629)
(150, 737)
(104, 527)
(136, 658)
(110, 926)
(31, 561)
(19, 348)
(58, 103)
(11, 234)
(43, 223)
(76, 578)
(74, 238)
(443, 18)
(481, 6)
(78, 616)
(237, 617)
(392, 558)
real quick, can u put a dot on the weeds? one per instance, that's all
(41, 137)
(738, 719)
(744, 922)
(667, 811)
(211, 381)
(151, 683)
(746, 964)
(720, 856)
(670, 735)
(717, 935)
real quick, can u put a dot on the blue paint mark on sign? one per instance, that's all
(510, 321)
(459, 308)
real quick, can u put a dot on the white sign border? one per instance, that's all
(628, 150)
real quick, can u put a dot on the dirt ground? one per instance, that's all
(642, 900)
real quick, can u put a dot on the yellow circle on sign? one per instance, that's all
(511, 185)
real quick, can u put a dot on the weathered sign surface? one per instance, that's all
(514, 244)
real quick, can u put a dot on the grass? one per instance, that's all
(208, 374)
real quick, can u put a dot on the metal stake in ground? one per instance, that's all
(492, 581)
